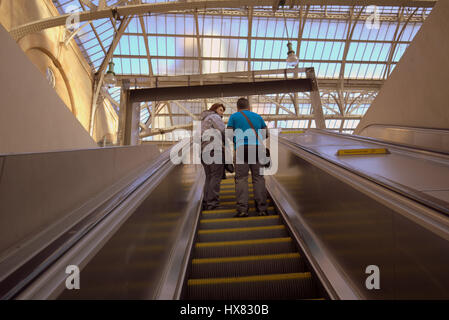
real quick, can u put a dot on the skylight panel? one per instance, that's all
(305, 109)
(400, 50)
(134, 26)
(333, 124)
(351, 124)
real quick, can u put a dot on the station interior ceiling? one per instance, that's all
(353, 49)
(129, 207)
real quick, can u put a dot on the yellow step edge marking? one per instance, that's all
(230, 210)
(273, 217)
(275, 227)
(233, 188)
(293, 131)
(242, 242)
(247, 258)
(258, 278)
(251, 196)
(362, 151)
(232, 183)
(233, 191)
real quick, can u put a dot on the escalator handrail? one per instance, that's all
(426, 200)
(30, 269)
(403, 147)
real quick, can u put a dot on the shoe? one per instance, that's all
(229, 168)
(241, 214)
(263, 213)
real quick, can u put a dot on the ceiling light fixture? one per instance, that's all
(292, 59)
(109, 79)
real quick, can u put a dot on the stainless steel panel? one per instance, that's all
(356, 231)
(132, 263)
(439, 194)
(406, 169)
(430, 139)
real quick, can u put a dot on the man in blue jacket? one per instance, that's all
(246, 145)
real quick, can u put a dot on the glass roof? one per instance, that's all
(329, 38)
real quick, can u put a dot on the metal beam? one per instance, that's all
(315, 98)
(232, 77)
(221, 90)
(166, 7)
(99, 83)
(280, 106)
(396, 38)
(187, 111)
(155, 132)
(147, 47)
(126, 56)
(273, 117)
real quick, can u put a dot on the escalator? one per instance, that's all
(247, 258)
(326, 224)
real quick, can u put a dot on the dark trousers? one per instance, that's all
(214, 173)
(241, 184)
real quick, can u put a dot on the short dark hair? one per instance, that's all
(215, 106)
(242, 103)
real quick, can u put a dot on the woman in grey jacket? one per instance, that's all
(212, 119)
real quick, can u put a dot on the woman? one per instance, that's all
(212, 119)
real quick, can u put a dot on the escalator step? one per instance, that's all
(232, 186)
(231, 215)
(247, 265)
(233, 210)
(233, 203)
(272, 286)
(274, 231)
(229, 181)
(231, 197)
(239, 222)
(243, 247)
(232, 191)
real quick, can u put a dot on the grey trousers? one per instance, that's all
(214, 173)
(241, 187)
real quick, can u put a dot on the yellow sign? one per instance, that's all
(354, 152)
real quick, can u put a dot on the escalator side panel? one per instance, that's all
(133, 261)
(355, 231)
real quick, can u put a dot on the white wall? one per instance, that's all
(417, 92)
(32, 116)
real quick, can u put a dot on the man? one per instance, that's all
(246, 145)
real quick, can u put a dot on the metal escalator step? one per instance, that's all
(232, 191)
(232, 197)
(233, 203)
(274, 231)
(238, 222)
(243, 247)
(272, 286)
(232, 181)
(247, 265)
(232, 186)
(231, 215)
(230, 210)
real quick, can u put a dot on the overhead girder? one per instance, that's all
(139, 9)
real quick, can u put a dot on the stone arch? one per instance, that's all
(60, 70)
